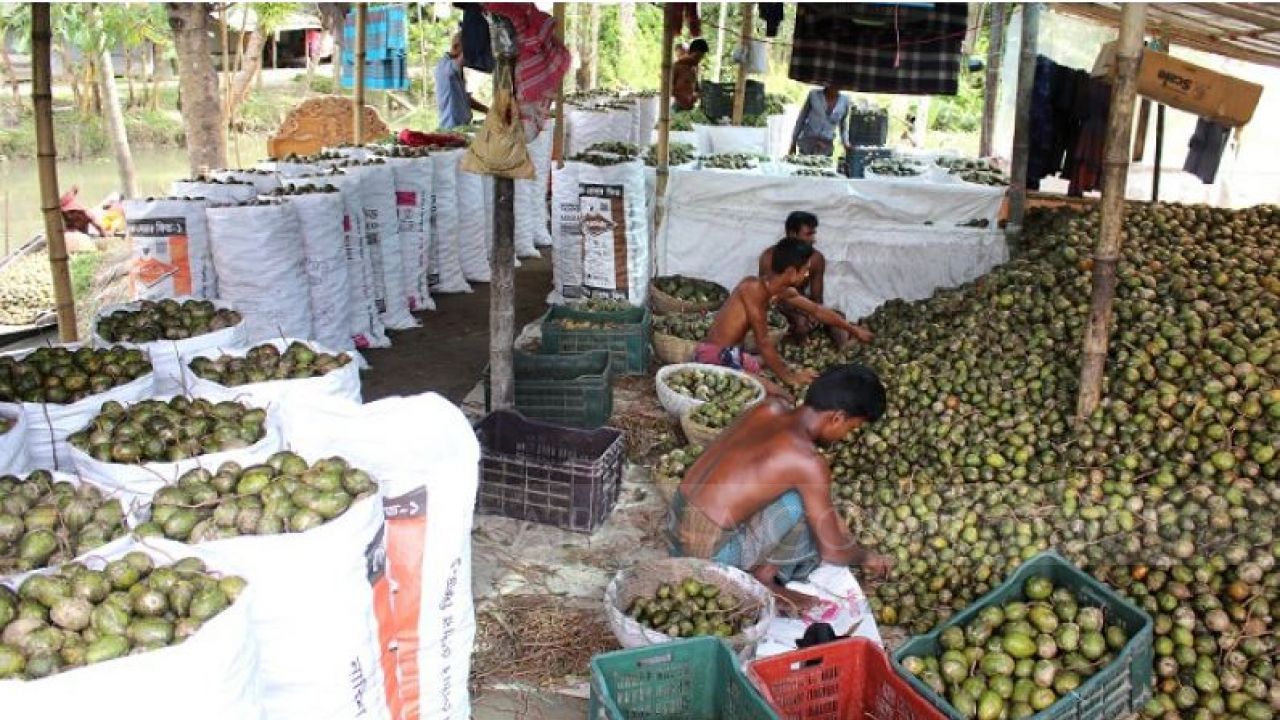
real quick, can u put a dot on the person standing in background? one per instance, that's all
(684, 76)
(453, 102)
(824, 116)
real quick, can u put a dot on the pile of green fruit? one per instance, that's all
(718, 414)
(79, 616)
(165, 320)
(43, 522)
(995, 178)
(264, 363)
(961, 164)
(613, 147)
(61, 375)
(571, 324)
(169, 431)
(706, 385)
(678, 153)
(808, 161)
(1168, 491)
(731, 161)
(26, 290)
(599, 160)
(895, 167)
(690, 608)
(1019, 658)
(816, 172)
(602, 305)
(688, 326)
(693, 290)
(673, 465)
(282, 495)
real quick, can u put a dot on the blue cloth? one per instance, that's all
(390, 74)
(386, 34)
(452, 102)
(817, 127)
(779, 535)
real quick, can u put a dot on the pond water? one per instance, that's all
(20, 216)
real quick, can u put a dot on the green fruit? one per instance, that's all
(12, 662)
(107, 647)
(990, 706)
(207, 603)
(1019, 646)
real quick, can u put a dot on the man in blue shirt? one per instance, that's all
(453, 102)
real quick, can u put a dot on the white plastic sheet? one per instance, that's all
(342, 383)
(169, 238)
(844, 607)
(321, 220)
(413, 209)
(166, 355)
(873, 233)
(14, 458)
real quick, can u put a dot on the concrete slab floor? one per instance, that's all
(505, 704)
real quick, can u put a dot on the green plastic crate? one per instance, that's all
(573, 390)
(628, 344)
(1117, 691)
(693, 679)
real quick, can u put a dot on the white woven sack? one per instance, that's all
(600, 188)
(217, 193)
(342, 383)
(264, 181)
(678, 403)
(47, 425)
(14, 458)
(413, 209)
(445, 263)
(566, 234)
(382, 235)
(474, 237)
(169, 238)
(258, 254)
(133, 484)
(321, 218)
(290, 169)
(212, 675)
(540, 150)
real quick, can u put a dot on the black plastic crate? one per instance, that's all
(868, 128)
(548, 474)
(574, 390)
(717, 99)
(859, 158)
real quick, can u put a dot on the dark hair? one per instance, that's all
(699, 45)
(790, 253)
(800, 219)
(855, 389)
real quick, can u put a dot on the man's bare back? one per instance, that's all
(740, 473)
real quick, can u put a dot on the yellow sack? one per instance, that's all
(499, 148)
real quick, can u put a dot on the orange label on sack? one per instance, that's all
(398, 601)
(161, 265)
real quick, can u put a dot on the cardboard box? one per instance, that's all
(1186, 86)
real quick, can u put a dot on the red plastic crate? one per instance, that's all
(843, 680)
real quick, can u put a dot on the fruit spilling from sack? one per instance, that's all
(80, 616)
(731, 161)
(599, 160)
(165, 320)
(689, 608)
(689, 289)
(63, 375)
(816, 172)
(678, 153)
(895, 167)
(265, 363)
(285, 494)
(808, 161)
(613, 147)
(46, 522)
(1019, 658)
(713, 385)
(169, 431)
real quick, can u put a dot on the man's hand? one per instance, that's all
(862, 334)
(804, 376)
(874, 565)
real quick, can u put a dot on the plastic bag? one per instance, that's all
(499, 148)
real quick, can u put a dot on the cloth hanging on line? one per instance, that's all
(1204, 151)
(474, 31)
(1068, 126)
(687, 12)
(882, 49)
(386, 34)
(771, 14)
(542, 61)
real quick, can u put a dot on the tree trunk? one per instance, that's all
(664, 130)
(115, 126)
(991, 86)
(1115, 173)
(503, 260)
(155, 77)
(47, 162)
(64, 57)
(744, 44)
(10, 73)
(128, 75)
(357, 94)
(588, 29)
(628, 31)
(95, 87)
(719, 56)
(202, 115)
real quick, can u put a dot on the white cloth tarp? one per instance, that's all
(217, 193)
(382, 236)
(601, 230)
(258, 255)
(169, 238)
(445, 263)
(413, 208)
(167, 355)
(321, 218)
(426, 619)
(873, 233)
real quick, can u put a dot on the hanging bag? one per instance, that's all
(499, 148)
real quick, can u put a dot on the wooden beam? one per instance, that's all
(1184, 34)
(557, 139)
(1022, 117)
(1115, 172)
(1264, 21)
(357, 122)
(744, 46)
(47, 162)
(664, 130)
(991, 86)
(502, 262)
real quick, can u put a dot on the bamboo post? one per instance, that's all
(1159, 158)
(503, 260)
(991, 86)
(1022, 118)
(47, 160)
(664, 131)
(557, 137)
(357, 122)
(717, 64)
(744, 46)
(1115, 170)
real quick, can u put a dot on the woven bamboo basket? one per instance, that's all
(664, 304)
(696, 432)
(671, 349)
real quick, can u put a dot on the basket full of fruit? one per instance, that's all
(686, 385)
(680, 294)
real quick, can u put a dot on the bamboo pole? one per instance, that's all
(1115, 171)
(1159, 158)
(47, 160)
(357, 122)
(717, 65)
(502, 262)
(557, 138)
(744, 46)
(664, 131)
(1022, 118)
(991, 86)
(226, 80)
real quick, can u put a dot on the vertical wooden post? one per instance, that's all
(991, 86)
(503, 260)
(226, 80)
(47, 161)
(1159, 155)
(557, 139)
(1140, 135)
(357, 122)
(716, 61)
(664, 131)
(1022, 118)
(1115, 171)
(744, 45)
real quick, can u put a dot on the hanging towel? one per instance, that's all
(771, 14)
(476, 53)
(542, 62)
(1205, 150)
